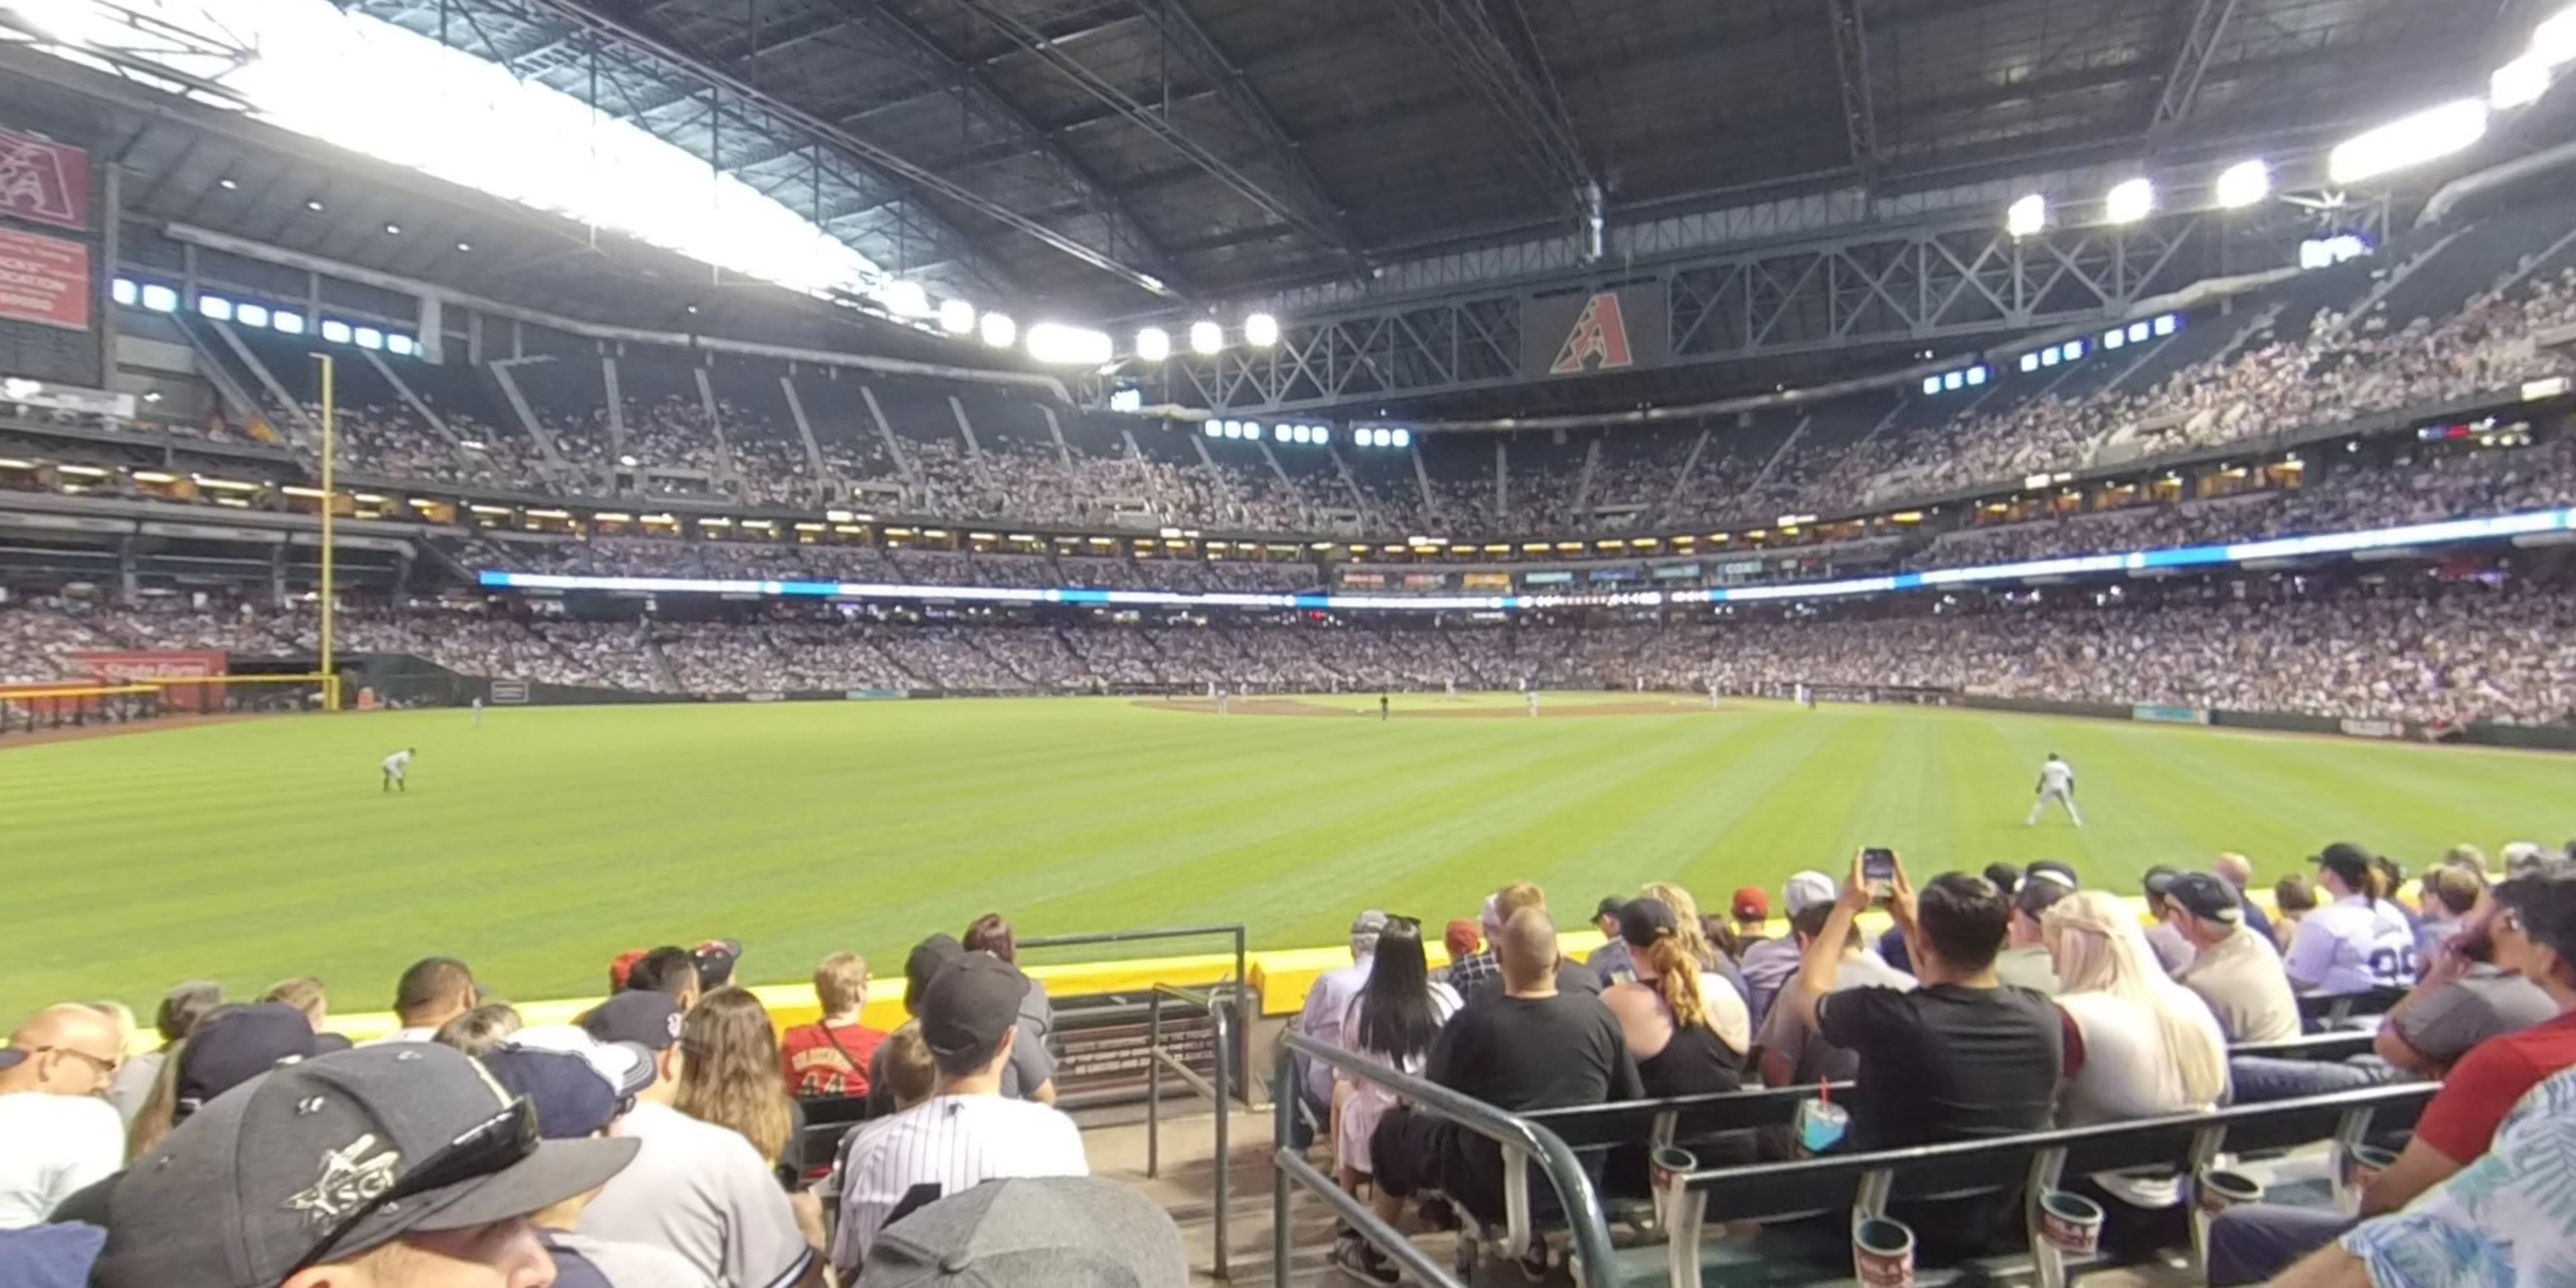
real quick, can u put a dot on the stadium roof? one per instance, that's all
(1082, 151)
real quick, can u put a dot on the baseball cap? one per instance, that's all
(2160, 879)
(971, 1003)
(716, 959)
(234, 1046)
(332, 1157)
(1805, 890)
(573, 1102)
(1461, 938)
(924, 963)
(1643, 921)
(2347, 861)
(626, 1066)
(1750, 903)
(1058, 1231)
(2521, 858)
(648, 1018)
(1368, 926)
(2054, 871)
(2204, 896)
(621, 966)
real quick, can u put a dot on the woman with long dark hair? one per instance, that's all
(1031, 1073)
(1393, 1021)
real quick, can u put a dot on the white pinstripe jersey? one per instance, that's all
(945, 1145)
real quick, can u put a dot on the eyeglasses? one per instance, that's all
(494, 1145)
(106, 1068)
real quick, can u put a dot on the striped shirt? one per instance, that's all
(945, 1145)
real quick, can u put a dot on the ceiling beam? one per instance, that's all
(1851, 68)
(1172, 136)
(2200, 41)
(1463, 34)
(1181, 31)
(901, 172)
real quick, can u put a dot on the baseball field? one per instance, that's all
(545, 841)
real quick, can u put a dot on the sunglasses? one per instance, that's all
(106, 1068)
(494, 1145)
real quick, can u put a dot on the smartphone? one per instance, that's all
(1878, 870)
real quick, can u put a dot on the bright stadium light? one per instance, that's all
(2114, 338)
(2554, 41)
(2029, 362)
(1068, 345)
(905, 299)
(2027, 217)
(1153, 344)
(1261, 330)
(1323, 433)
(1931, 384)
(2130, 201)
(1206, 338)
(2519, 83)
(2425, 136)
(2243, 184)
(956, 317)
(1210, 428)
(998, 330)
(251, 314)
(216, 307)
(1400, 438)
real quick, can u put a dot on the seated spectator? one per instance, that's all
(1461, 939)
(2448, 893)
(2233, 969)
(1611, 958)
(670, 970)
(1571, 976)
(574, 1099)
(2464, 999)
(2359, 941)
(2137, 1046)
(1327, 1001)
(1790, 1053)
(2534, 935)
(2294, 897)
(2524, 858)
(830, 1057)
(1959, 1058)
(432, 992)
(696, 1189)
(1774, 962)
(2503, 1219)
(2025, 962)
(969, 1132)
(180, 1010)
(910, 1074)
(729, 1077)
(2238, 872)
(1534, 1048)
(384, 1165)
(1393, 1020)
(920, 966)
(1038, 1232)
(1751, 910)
(481, 1029)
(1031, 1075)
(1686, 1028)
(60, 1132)
(1470, 971)
(2173, 952)
(234, 1046)
(2467, 858)
(305, 994)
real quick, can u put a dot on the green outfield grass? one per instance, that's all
(545, 842)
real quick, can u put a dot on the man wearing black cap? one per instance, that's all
(2173, 950)
(1610, 962)
(575, 1100)
(2358, 943)
(395, 1165)
(920, 966)
(700, 1190)
(967, 1132)
(2235, 970)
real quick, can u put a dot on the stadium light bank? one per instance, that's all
(2448, 532)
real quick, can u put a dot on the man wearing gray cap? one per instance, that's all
(966, 1133)
(396, 1165)
(1052, 1232)
(1327, 1000)
(1769, 964)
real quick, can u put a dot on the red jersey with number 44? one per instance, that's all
(831, 1061)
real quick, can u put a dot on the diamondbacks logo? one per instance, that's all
(1599, 340)
(43, 180)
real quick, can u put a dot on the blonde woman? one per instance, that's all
(1692, 936)
(2138, 1046)
(729, 1071)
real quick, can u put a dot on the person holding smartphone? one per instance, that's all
(1961, 1057)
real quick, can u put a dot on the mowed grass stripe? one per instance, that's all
(545, 842)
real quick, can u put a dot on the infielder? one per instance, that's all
(2056, 783)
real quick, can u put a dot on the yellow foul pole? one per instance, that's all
(330, 504)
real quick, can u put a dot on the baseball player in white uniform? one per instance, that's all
(395, 765)
(2056, 783)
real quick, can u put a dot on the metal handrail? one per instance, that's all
(1217, 1089)
(1588, 1228)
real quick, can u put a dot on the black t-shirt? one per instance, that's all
(1536, 1053)
(1572, 978)
(1944, 1063)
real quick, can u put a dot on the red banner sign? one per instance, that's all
(43, 180)
(44, 279)
(172, 665)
